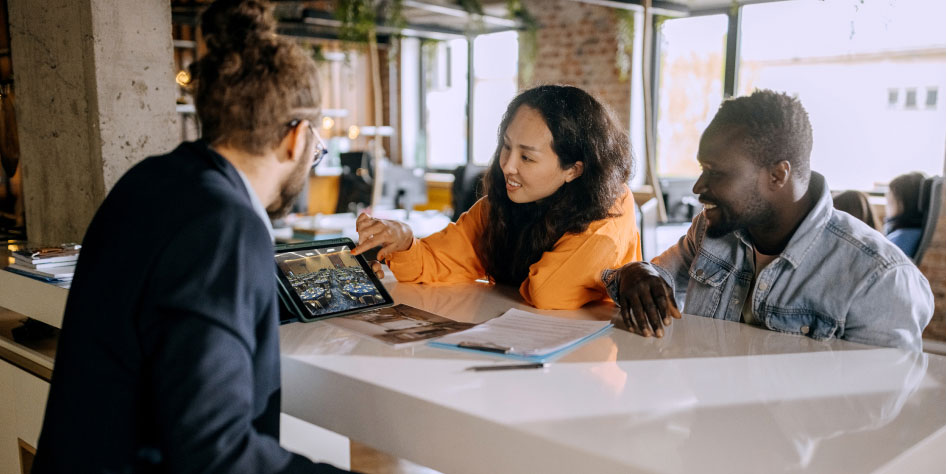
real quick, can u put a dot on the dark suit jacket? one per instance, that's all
(168, 359)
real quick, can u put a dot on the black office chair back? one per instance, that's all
(467, 188)
(352, 161)
(355, 187)
(930, 198)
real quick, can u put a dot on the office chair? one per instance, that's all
(467, 188)
(930, 201)
(355, 182)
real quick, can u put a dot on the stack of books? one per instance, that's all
(49, 263)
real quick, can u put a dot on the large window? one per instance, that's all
(434, 112)
(444, 67)
(870, 74)
(495, 85)
(691, 86)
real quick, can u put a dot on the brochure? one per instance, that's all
(399, 325)
(523, 335)
(49, 275)
(47, 254)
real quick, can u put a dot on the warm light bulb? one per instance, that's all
(353, 132)
(183, 78)
(328, 123)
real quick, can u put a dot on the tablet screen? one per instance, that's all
(323, 279)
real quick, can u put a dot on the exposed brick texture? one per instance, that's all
(577, 45)
(933, 267)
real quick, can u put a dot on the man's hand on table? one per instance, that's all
(646, 302)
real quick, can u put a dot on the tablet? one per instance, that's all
(321, 279)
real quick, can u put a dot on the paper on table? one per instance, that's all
(519, 332)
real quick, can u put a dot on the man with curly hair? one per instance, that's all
(168, 359)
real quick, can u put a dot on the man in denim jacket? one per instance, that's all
(769, 249)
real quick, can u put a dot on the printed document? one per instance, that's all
(522, 333)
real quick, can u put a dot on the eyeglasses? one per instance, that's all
(321, 149)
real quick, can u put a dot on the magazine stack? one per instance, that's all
(56, 263)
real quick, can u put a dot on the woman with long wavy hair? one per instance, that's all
(556, 212)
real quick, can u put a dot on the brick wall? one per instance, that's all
(577, 45)
(933, 267)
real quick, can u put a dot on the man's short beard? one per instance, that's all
(757, 214)
(291, 188)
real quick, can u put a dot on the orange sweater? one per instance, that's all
(566, 277)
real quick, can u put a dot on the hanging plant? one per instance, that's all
(527, 38)
(625, 39)
(475, 14)
(360, 18)
(472, 7)
(315, 51)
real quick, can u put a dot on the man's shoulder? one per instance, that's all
(854, 241)
(179, 193)
(188, 180)
(190, 166)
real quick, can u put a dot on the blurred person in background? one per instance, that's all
(904, 212)
(856, 204)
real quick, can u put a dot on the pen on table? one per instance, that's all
(483, 368)
(482, 346)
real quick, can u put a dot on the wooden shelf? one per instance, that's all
(41, 301)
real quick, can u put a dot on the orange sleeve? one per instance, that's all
(568, 276)
(448, 256)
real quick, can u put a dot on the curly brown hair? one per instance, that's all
(516, 235)
(250, 83)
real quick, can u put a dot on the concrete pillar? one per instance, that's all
(95, 95)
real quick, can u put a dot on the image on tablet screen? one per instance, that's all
(328, 280)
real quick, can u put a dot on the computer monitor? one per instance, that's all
(402, 188)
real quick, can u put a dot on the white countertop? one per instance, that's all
(712, 396)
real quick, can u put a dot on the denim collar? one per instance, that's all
(808, 232)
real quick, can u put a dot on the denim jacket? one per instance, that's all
(836, 278)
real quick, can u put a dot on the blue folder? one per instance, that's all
(530, 358)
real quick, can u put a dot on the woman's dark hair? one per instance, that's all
(250, 83)
(516, 235)
(906, 189)
(856, 204)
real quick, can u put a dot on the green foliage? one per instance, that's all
(472, 7)
(625, 38)
(314, 50)
(360, 18)
(658, 21)
(475, 12)
(393, 14)
(517, 10)
(527, 38)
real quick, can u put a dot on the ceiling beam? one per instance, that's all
(663, 8)
(461, 13)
